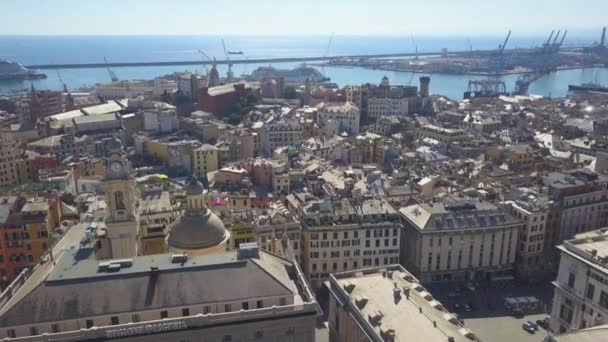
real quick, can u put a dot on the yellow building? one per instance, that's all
(38, 222)
(9, 155)
(173, 151)
(240, 224)
(205, 159)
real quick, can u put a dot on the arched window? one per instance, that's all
(119, 200)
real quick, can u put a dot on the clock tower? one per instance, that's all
(122, 220)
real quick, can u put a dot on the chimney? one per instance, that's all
(424, 86)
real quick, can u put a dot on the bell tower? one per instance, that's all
(122, 220)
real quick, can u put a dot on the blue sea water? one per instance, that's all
(92, 49)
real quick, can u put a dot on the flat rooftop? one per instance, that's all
(414, 317)
(590, 247)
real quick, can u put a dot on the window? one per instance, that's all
(135, 318)
(164, 314)
(114, 320)
(590, 291)
(89, 323)
(185, 312)
(55, 328)
(11, 333)
(227, 308)
(259, 304)
(604, 299)
(282, 301)
(259, 335)
(571, 279)
(227, 338)
(245, 305)
(33, 331)
(206, 309)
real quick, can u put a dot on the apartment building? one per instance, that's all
(388, 304)
(205, 159)
(459, 239)
(378, 107)
(346, 115)
(156, 214)
(64, 144)
(581, 198)
(581, 287)
(535, 211)
(347, 234)
(25, 228)
(443, 134)
(247, 295)
(275, 135)
(278, 231)
(9, 156)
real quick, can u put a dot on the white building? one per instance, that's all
(347, 115)
(459, 240)
(581, 288)
(160, 121)
(135, 88)
(377, 107)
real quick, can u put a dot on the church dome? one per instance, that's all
(194, 187)
(197, 229)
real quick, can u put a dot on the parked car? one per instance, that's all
(543, 324)
(529, 328)
(533, 325)
(466, 308)
(469, 286)
(517, 313)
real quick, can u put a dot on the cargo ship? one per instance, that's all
(297, 75)
(588, 87)
(10, 71)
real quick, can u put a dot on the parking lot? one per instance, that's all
(481, 308)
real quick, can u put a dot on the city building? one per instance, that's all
(346, 115)
(239, 296)
(459, 239)
(64, 144)
(156, 214)
(9, 157)
(135, 88)
(388, 303)
(581, 288)
(26, 225)
(205, 159)
(443, 134)
(275, 135)
(386, 106)
(221, 100)
(344, 234)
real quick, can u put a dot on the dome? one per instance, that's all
(197, 229)
(114, 146)
(194, 187)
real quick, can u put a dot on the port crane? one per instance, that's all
(326, 54)
(205, 64)
(229, 74)
(113, 76)
(497, 59)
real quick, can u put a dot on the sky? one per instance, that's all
(303, 17)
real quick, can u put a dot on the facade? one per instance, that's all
(277, 228)
(135, 88)
(280, 134)
(347, 115)
(344, 235)
(246, 296)
(221, 100)
(388, 304)
(205, 159)
(442, 134)
(459, 240)
(25, 227)
(534, 210)
(378, 107)
(156, 214)
(581, 288)
(9, 157)
(174, 150)
(64, 144)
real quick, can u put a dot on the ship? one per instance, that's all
(10, 71)
(235, 52)
(588, 87)
(297, 75)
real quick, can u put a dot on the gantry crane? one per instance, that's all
(113, 76)
(229, 74)
(204, 63)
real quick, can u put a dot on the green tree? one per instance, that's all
(290, 93)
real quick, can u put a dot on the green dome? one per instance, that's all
(114, 145)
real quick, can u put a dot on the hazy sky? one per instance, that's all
(303, 17)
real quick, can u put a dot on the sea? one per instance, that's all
(31, 50)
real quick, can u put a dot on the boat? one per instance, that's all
(588, 87)
(10, 71)
(297, 75)
(235, 52)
